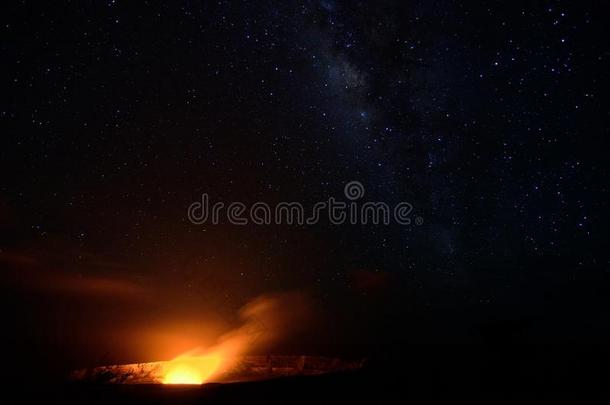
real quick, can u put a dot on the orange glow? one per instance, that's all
(264, 321)
(188, 369)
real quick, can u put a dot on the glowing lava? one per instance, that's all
(187, 369)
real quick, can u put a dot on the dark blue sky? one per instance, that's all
(489, 117)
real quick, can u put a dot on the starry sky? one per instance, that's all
(489, 117)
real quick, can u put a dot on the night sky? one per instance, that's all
(490, 118)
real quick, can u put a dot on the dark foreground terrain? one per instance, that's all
(456, 374)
